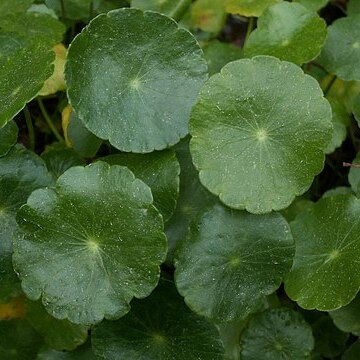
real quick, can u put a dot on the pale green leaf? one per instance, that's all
(288, 31)
(208, 15)
(341, 53)
(274, 125)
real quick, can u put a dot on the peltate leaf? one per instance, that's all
(288, 31)
(341, 53)
(135, 90)
(277, 334)
(91, 244)
(231, 260)
(153, 330)
(274, 125)
(325, 273)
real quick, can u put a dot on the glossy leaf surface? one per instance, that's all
(245, 257)
(77, 252)
(274, 125)
(155, 330)
(135, 91)
(325, 273)
(288, 31)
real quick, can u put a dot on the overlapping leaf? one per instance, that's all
(248, 7)
(21, 172)
(158, 328)
(313, 5)
(277, 334)
(341, 53)
(325, 273)
(288, 31)
(160, 171)
(91, 244)
(135, 90)
(274, 125)
(8, 137)
(231, 260)
(26, 57)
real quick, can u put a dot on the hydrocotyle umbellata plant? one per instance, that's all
(171, 179)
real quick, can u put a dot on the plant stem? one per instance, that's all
(345, 164)
(330, 84)
(180, 9)
(48, 120)
(250, 27)
(30, 127)
(63, 13)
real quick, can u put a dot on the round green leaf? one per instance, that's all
(347, 318)
(133, 78)
(21, 172)
(313, 5)
(8, 137)
(58, 334)
(248, 7)
(341, 53)
(19, 341)
(340, 190)
(277, 334)
(25, 58)
(325, 273)
(218, 54)
(329, 340)
(158, 328)
(288, 31)
(160, 171)
(231, 260)
(193, 199)
(259, 131)
(340, 120)
(91, 244)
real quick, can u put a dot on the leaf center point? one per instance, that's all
(93, 245)
(261, 134)
(235, 261)
(159, 338)
(135, 84)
